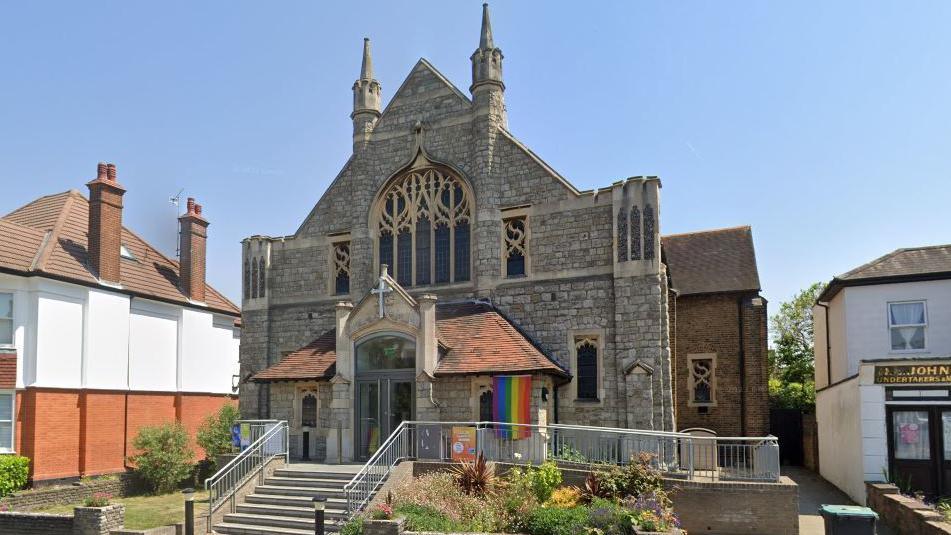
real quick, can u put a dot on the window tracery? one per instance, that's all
(423, 229)
(586, 352)
(247, 279)
(702, 381)
(262, 272)
(254, 278)
(515, 247)
(622, 235)
(649, 224)
(635, 233)
(341, 268)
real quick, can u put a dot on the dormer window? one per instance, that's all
(124, 252)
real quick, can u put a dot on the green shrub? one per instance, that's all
(636, 478)
(164, 458)
(555, 521)
(542, 481)
(353, 527)
(425, 518)
(14, 470)
(214, 434)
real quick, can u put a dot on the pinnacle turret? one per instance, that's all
(366, 100)
(487, 59)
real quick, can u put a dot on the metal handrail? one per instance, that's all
(224, 483)
(678, 455)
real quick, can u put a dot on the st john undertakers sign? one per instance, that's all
(913, 374)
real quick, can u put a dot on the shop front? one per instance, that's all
(889, 422)
(918, 424)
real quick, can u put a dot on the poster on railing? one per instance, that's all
(512, 403)
(463, 444)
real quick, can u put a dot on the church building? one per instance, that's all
(446, 255)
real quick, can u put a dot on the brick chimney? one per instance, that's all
(105, 223)
(193, 233)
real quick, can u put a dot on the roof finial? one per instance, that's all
(485, 39)
(366, 68)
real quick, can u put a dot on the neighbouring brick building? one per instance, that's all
(101, 334)
(446, 252)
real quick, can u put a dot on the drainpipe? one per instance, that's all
(742, 363)
(828, 344)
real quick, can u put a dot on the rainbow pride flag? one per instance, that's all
(512, 403)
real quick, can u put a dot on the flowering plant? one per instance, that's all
(651, 511)
(99, 499)
(384, 511)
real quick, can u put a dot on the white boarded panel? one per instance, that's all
(153, 348)
(107, 356)
(59, 342)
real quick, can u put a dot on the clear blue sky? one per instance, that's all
(824, 125)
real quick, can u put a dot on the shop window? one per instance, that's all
(7, 400)
(911, 434)
(6, 319)
(702, 379)
(586, 356)
(516, 247)
(341, 268)
(907, 322)
(308, 411)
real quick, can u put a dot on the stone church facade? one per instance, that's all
(446, 252)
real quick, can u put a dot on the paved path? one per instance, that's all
(813, 492)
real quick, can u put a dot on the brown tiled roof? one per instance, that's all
(482, 341)
(712, 261)
(316, 360)
(52, 233)
(913, 263)
(479, 340)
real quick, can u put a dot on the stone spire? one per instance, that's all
(366, 100)
(487, 59)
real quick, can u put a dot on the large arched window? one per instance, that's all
(424, 228)
(386, 352)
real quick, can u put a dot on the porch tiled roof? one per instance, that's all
(479, 340)
(483, 341)
(315, 361)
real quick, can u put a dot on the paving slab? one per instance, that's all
(815, 491)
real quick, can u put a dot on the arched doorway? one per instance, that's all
(385, 388)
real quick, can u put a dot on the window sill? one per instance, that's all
(588, 401)
(909, 352)
(8, 348)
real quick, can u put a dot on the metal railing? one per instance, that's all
(676, 455)
(270, 441)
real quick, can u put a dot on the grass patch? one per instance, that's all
(144, 512)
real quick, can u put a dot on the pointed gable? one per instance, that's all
(424, 93)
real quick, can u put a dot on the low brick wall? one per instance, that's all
(28, 500)
(733, 508)
(810, 442)
(13, 523)
(98, 520)
(909, 515)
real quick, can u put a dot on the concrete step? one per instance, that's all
(283, 481)
(289, 511)
(228, 528)
(294, 501)
(271, 521)
(280, 490)
(346, 476)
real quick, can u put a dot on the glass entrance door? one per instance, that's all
(382, 404)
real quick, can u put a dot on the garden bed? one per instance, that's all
(472, 498)
(144, 512)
